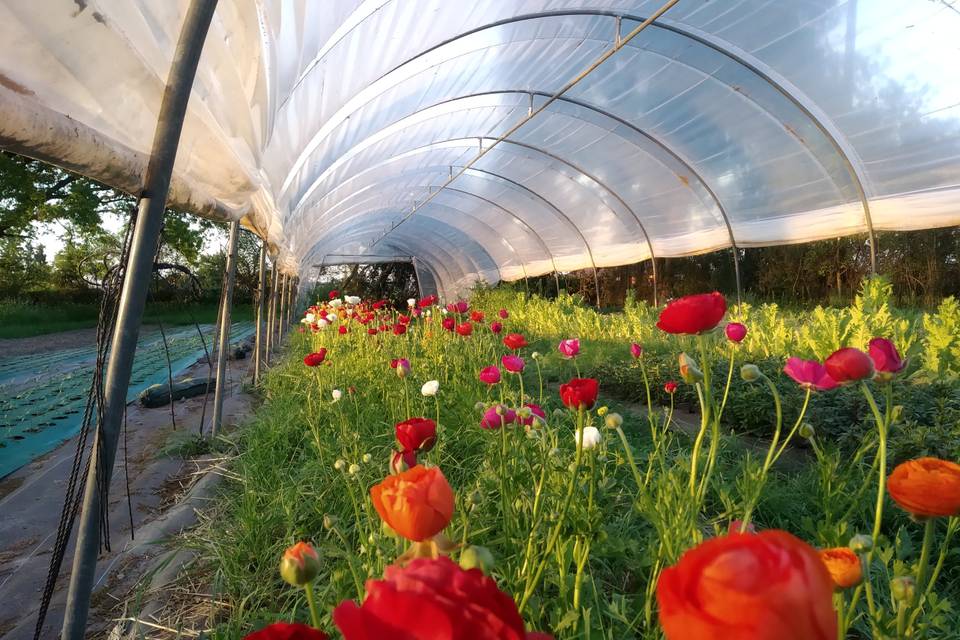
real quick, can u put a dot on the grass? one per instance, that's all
(21, 320)
(287, 482)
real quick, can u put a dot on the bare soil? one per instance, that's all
(31, 500)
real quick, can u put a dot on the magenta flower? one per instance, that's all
(736, 332)
(569, 348)
(494, 419)
(496, 327)
(535, 412)
(490, 375)
(513, 364)
(636, 350)
(503, 314)
(809, 374)
(460, 306)
(886, 359)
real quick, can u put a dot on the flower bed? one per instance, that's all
(459, 472)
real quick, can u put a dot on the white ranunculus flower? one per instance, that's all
(352, 299)
(332, 317)
(337, 394)
(411, 302)
(430, 388)
(309, 318)
(336, 302)
(323, 323)
(591, 437)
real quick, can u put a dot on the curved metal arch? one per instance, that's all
(359, 229)
(493, 232)
(780, 84)
(559, 213)
(530, 230)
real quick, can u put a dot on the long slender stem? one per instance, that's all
(312, 605)
(882, 454)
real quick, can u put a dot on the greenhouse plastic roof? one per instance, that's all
(324, 123)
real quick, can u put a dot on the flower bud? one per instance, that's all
(340, 464)
(329, 521)
(807, 431)
(367, 457)
(524, 412)
(479, 406)
(535, 355)
(602, 411)
(476, 557)
(559, 413)
(613, 421)
(354, 469)
(861, 544)
(336, 394)
(750, 373)
(903, 589)
(689, 371)
(300, 564)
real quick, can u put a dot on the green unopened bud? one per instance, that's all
(613, 421)
(340, 464)
(354, 469)
(300, 564)
(329, 521)
(476, 497)
(750, 373)
(861, 543)
(524, 412)
(602, 411)
(474, 557)
(559, 413)
(807, 431)
(903, 589)
(479, 406)
(689, 371)
(367, 457)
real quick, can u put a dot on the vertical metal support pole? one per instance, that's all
(272, 312)
(653, 265)
(283, 307)
(133, 298)
(223, 345)
(261, 309)
(596, 284)
(736, 273)
(416, 275)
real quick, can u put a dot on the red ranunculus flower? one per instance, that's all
(449, 323)
(735, 331)
(372, 331)
(334, 294)
(579, 393)
(886, 359)
(765, 586)
(464, 329)
(670, 387)
(427, 301)
(399, 329)
(503, 314)
(476, 315)
(342, 329)
(490, 375)
(417, 434)
(512, 363)
(432, 599)
(315, 359)
(496, 327)
(514, 341)
(286, 631)
(401, 461)
(849, 365)
(693, 314)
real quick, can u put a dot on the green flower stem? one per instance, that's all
(650, 416)
(726, 389)
(504, 498)
(312, 605)
(565, 506)
(796, 425)
(633, 465)
(952, 525)
(769, 460)
(698, 443)
(882, 455)
(357, 582)
(539, 382)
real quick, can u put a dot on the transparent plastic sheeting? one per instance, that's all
(323, 123)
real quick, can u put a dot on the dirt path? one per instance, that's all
(32, 497)
(48, 342)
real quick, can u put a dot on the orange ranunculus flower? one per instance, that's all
(843, 565)
(417, 503)
(926, 487)
(765, 586)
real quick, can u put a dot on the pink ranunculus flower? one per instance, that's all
(569, 348)
(492, 419)
(809, 374)
(460, 306)
(736, 332)
(496, 327)
(535, 412)
(503, 314)
(886, 359)
(636, 350)
(490, 375)
(513, 364)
